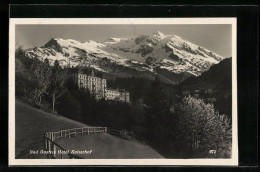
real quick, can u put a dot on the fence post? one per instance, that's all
(81, 131)
(105, 129)
(75, 132)
(61, 134)
(88, 131)
(52, 136)
(48, 136)
(45, 141)
(94, 130)
(49, 144)
(69, 133)
(54, 150)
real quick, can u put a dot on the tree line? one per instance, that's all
(37, 81)
(187, 128)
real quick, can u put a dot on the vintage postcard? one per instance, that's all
(123, 91)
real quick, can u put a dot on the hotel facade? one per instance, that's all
(97, 86)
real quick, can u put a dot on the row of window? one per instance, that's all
(114, 92)
(85, 86)
(93, 81)
(88, 83)
(111, 95)
(92, 78)
(120, 98)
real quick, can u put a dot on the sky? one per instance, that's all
(217, 38)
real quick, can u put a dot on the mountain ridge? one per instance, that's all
(218, 77)
(157, 53)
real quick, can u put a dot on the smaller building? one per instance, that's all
(124, 96)
(111, 94)
(118, 95)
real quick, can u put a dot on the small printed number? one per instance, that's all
(212, 151)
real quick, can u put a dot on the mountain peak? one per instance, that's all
(113, 40)
(54, 44)
(159, 35)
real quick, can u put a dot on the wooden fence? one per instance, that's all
(56, 151)
(114, 132)
(127, 135)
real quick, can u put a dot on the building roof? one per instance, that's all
(90, 72)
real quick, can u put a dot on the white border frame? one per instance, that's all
(192, 162)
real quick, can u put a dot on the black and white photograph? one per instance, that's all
(123, 91)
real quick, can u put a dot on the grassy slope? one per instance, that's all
(32, 123)
(30, 126)
(107, 146)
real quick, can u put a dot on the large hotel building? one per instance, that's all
(98, 87)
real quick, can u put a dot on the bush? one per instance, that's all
(201, 128)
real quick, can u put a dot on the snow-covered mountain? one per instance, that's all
(168, 52)
(157, 53)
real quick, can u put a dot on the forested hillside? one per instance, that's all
(157, 113)
(218, 81)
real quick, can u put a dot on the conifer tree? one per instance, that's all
(157, 113)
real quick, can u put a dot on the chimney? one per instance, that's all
(92, 73)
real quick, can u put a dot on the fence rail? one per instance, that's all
(115, 132)
(55, 150)
(127, 135)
